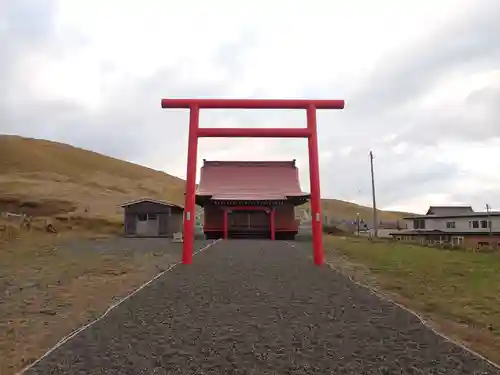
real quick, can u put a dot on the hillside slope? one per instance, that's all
(48, 178)
(335, 208)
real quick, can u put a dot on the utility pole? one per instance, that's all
(490, 224)
(375, 222)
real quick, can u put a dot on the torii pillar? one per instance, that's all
(195, 132)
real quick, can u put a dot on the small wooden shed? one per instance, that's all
(152, 218)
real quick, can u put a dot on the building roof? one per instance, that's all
(450, 212)
(156, 201)
(250, 180)
(419, 231)
(388, 225)
(412, 232)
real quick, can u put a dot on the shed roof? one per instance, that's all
(151, 200)
(250, 180)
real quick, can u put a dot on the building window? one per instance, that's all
(419, 224)
(142, 217)
(450, 224)
(152, 216)
(474, 224)
(484, 224)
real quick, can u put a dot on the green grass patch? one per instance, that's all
(459, 291)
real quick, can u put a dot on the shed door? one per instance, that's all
(163, 224)
(147, 225)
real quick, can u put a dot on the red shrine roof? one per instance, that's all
(250, 180)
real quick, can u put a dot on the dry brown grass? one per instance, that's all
(48, 178)
(46, 290)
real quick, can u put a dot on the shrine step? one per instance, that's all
(249, 234)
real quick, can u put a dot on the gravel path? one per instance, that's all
(119, 244)
(257, 307)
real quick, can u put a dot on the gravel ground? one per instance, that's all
(118, 244)
(162, 251)
(257, 307)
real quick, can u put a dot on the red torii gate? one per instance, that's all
(195, 132)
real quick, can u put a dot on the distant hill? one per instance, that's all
(48, 178)
(337, 209)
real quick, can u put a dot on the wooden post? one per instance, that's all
(226, 224)
(273, 225)
(189, 205)
(317, 221)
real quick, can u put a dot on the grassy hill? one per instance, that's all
(47, 178)
(347, 210)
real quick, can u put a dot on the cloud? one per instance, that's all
(404, 76)
(24, 25)
(420, 81)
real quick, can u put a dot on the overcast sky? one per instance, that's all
(421, 80)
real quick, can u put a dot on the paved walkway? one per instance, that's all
(257, 307)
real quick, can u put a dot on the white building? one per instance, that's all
(456, 224)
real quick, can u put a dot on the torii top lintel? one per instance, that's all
(253, 103)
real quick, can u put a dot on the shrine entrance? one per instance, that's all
(195, 132)
(249, 224)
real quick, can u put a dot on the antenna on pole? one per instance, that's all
(375, 222)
